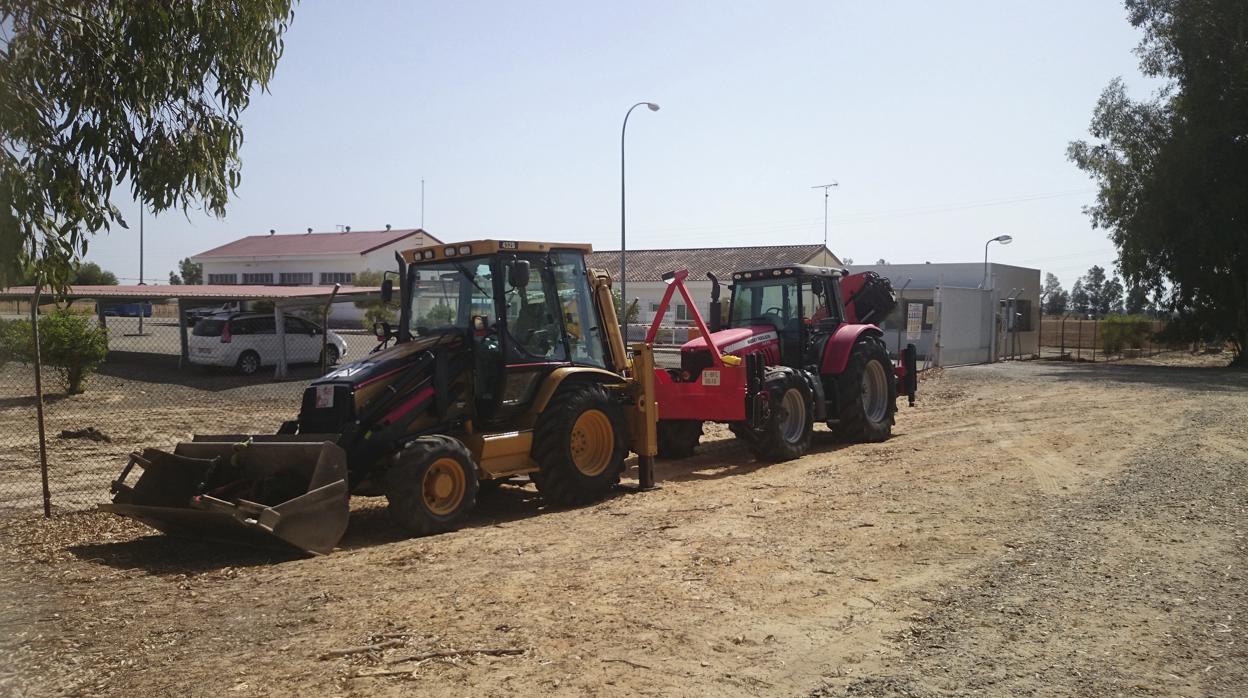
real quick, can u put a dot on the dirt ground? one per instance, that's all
(1032, 529)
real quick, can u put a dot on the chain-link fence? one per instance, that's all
(1073, 339)
(145, 393)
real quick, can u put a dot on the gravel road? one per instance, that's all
(1031, 529)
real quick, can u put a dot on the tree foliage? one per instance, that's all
(188, 273)
(1172, 170)
(84, 274)
(97, 97)
(1055, 297)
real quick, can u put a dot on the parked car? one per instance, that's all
(128, 310)
(194, 315)
(247, 341)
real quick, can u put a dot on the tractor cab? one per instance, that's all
(520, 312)
(791, 304)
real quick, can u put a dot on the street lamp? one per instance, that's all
(623, 246)
(1004, 240)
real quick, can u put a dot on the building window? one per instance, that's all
(258, 279)
(227, 279)
(337, 277)
(296, 278)
(1021, 320)
(682, 314)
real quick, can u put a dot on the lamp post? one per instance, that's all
(623, 239)
(1004, 240)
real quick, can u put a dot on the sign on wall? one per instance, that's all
(914, 320)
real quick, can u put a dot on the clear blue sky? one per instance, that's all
(945, 124)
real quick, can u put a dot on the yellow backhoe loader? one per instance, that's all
(506, 360)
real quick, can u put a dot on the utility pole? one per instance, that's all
(825, 188)
(422, 204)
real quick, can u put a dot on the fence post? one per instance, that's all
(1079, 341)
(1061, 353)
(43, 441)
(1095, 323)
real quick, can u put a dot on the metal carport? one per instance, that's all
(284, 298)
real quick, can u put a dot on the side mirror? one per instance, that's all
(387, 290)
(519, 273)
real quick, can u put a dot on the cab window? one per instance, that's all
(575, 303)
(533, 314)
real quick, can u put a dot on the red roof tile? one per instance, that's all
(650, 265)
(354, 242)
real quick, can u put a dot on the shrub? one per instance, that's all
(71, 344)
(1123, 331)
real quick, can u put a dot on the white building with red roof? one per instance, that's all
(308, 259)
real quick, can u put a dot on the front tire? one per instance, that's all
(866, 394)
(579, 445)
(331, 355)
(249, 363)
(789, 427)
(432, 485)
(678, 438)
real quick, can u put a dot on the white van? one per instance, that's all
(248, 341)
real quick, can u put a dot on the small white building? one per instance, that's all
(962, 313)
(646, 269)
(309, 259)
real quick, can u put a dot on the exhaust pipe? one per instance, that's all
(715, 311)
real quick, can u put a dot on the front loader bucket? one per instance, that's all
(292, 494)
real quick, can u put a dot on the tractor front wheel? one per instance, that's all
(579, 444)
(789, 426)
(432, 485)
(678, 438)
(866, 394)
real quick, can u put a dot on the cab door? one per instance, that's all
(533, 343)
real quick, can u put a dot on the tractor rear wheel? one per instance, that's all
(432, 485)
(579, 444)
(789, 424)
(678, 438)
(866, 394)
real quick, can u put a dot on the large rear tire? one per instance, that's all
(432, 485)
(789, 427)
(678, 438)
(579, 444)
(866, 394)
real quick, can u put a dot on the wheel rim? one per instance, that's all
(250, 364)
(793, 415)
(592, 442)
(442, 487)
(874, 392)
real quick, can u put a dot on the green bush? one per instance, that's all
(71, 344)
(1119, 332)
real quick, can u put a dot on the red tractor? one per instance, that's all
(799, 345)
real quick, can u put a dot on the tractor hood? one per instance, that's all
(372, 367)
(352, 391)
(737, 341)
